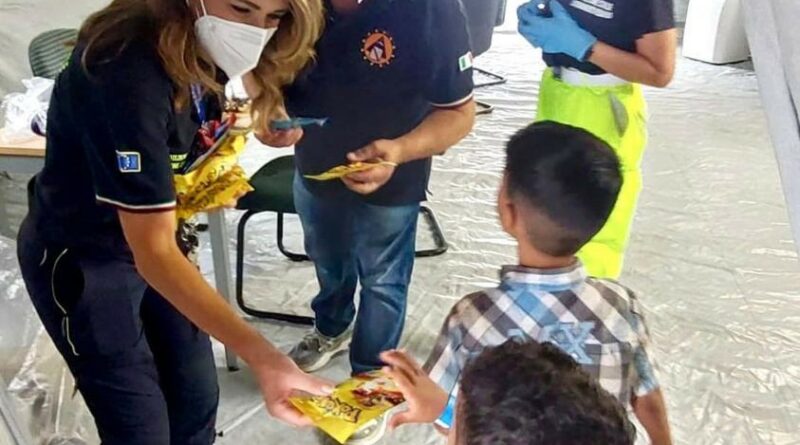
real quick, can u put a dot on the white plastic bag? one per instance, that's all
(21, 110)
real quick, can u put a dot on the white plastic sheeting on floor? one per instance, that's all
(711, 257)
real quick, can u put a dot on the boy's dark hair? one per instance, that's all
(534, 394)
(566, 180)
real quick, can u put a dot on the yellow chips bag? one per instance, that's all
(216, 182)
(344, 170)
(353, 403)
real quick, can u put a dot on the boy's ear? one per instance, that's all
(506, 210)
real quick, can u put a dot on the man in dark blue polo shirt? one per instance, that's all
(394, 77)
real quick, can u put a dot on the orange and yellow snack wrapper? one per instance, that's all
(353, 403)
(344, 170)
(216, 182)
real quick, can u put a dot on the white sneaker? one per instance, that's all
(371, 433)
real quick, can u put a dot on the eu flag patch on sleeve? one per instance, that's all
(129, 161)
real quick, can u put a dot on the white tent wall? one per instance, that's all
(772, 33)
(22, 20)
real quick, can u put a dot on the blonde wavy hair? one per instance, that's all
(169, 26)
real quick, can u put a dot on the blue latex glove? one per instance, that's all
(557, 34)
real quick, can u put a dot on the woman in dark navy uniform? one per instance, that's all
(127, 310)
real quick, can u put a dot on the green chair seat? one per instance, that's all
(273, 188)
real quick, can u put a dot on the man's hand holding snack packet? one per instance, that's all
(384, 156)
(368, 169)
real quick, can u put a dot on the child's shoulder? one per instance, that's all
(475, 304)
(612, 288)
(623, 298)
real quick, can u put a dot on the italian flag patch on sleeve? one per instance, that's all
(465, 61)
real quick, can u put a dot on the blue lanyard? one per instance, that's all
(199, 103)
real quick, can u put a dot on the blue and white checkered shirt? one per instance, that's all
(598, 322)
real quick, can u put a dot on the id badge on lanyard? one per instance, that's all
(210, 133)
(199, 103)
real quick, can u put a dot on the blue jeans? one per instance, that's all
(351, 241)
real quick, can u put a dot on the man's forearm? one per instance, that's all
(438, 132)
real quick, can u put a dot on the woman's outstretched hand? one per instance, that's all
(280, 379)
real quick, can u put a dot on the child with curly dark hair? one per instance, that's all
(525, 393)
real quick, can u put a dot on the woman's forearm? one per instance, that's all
(194, 298)
(160, 262)
(653, 62)
(632, 67)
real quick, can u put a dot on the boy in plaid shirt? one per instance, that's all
(560, 185)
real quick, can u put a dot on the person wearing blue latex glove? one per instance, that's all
(556, 34)
(597, 53)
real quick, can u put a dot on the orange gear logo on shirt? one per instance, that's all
(378, 48)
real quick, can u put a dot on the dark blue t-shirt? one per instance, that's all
(379, 73)
(619, 23)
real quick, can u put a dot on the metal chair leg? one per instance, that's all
(440, 248)
(496, 79)
(438, 236)
(483, 108)
(276, 316)
(296, 257)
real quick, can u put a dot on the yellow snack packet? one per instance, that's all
(216, 182)
(353, 403)
(344, 170)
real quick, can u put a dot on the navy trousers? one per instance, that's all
(146, 372)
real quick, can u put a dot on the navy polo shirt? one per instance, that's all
(619, 23)
(113, 139)
(379, 73)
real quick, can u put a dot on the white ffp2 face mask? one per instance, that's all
(234, 47)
